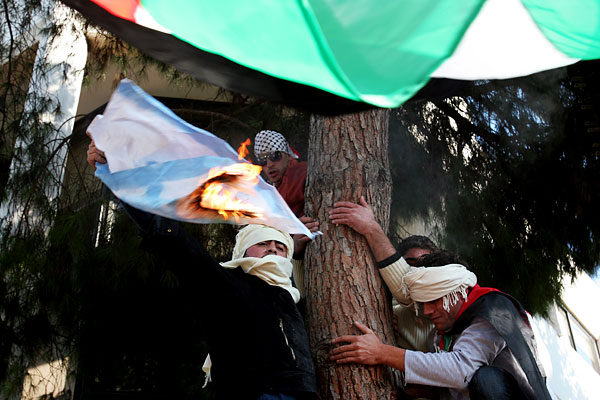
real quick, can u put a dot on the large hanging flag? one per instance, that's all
(159, 163)
(340, 55)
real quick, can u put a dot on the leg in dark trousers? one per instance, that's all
(494, 383)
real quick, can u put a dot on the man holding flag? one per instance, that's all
(256, 337)
(154, 161)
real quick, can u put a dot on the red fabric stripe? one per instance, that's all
(475, 293)
(296, 152)
(478, 291)
(121, 8)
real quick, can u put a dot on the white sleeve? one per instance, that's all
(392, 276)
(476, 346)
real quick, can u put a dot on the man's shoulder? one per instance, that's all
(497, 299)
(296, 171)
(298, 167)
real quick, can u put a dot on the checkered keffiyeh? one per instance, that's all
(270, 141)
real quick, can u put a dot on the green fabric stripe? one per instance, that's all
(269, 36)
(388, 49)
(380, 52)
(377, 51)
(573, 26)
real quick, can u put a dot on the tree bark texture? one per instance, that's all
(348, 157)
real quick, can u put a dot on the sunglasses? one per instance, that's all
(273, 156)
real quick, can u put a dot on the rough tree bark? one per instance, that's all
(348, 157)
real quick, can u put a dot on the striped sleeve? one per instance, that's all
(392, 275)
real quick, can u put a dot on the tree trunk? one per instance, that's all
(348, 157)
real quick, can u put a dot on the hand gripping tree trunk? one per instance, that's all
(348, 157)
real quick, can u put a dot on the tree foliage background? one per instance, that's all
(508, 176)
(505, 173)
(76, 283)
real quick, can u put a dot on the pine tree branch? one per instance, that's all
(214, 114)
(9, 67)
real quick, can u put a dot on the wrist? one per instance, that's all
(373, 233)
(394, 357)
(385, 351)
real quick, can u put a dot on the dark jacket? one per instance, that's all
(509, 319)
(254, 331)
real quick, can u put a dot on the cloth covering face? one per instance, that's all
(274, 270)
(269, 141)
(254, 330)
(424, 284)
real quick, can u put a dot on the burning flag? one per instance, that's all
(161, 164)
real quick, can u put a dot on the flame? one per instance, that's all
(217, 195)
(242, 150)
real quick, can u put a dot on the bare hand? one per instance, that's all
(300, 241)
(362, 349)
(357, 216)
(95, 155)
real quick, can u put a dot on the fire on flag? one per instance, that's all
(159, 163)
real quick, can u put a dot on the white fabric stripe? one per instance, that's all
(143, 17)
(502, 42)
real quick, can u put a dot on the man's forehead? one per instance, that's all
(417, 252)
(272, 240)
(412, 255)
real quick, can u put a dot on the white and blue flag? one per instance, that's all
(159, 163)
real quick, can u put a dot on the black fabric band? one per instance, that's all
(388, 261)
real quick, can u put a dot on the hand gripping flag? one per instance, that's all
(161, 164)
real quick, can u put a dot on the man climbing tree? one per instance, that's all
(347, 158)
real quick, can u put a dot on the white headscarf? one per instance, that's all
(275, 270)
(252, 234)
(423, 284)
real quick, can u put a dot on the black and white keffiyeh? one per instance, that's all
(269, 141)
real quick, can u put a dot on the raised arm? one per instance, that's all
(169, 241)
(391, 266)
(300, 241)
(360, 218)
(94, 154)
